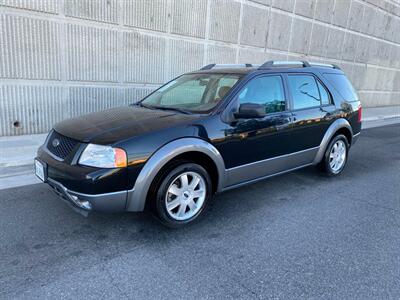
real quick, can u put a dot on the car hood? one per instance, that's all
(113, 125)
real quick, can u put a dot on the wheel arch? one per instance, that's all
(339, 126)
(180, 148)
(347, 133)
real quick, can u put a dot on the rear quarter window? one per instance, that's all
(342, 85)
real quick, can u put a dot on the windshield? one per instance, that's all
(197, 93)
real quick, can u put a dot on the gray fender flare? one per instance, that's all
(137, 197)
(333, 128)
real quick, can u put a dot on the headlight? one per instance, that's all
(103, 157)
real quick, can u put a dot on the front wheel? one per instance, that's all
(335, 157)
(182, 194)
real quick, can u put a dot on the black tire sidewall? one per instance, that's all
(165, 182)
(327, 165)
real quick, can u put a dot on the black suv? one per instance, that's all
(204, 132)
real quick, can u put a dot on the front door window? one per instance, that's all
(267, 91)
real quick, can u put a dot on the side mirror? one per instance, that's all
(250, 111)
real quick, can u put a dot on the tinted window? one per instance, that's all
(304, 91)
(223, 87)
(324, 94)
(267, 91)
(343, 86)
(192, 92)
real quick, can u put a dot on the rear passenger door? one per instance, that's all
(312, 110)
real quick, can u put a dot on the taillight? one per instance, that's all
(359, 114)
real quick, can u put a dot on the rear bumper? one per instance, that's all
(84, 203)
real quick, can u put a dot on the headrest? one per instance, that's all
(223, 90)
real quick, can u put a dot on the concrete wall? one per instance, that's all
(63, 58)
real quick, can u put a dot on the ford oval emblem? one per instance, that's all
(55, 143)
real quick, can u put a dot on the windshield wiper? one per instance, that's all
(145, 106)
(168, 108)
(164, 108)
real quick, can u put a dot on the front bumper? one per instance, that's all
(86, 188)
(83, 179)
(84, 203)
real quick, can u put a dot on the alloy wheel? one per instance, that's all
(185, 196)
(337, 156)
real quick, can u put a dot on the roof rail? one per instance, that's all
(316, 64)
(292, 63)
(219, 66)
(284, 63)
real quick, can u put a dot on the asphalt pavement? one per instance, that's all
(299, 235)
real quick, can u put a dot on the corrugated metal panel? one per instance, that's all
(100, 10)
(144, 58)
(225, 16)
(83, 100)
(254, 33)
(189, 17)
(252, 56)
(185, 57)
(30, 109)
(35, 109)
(146, 14)
(221, 55)
(29, 48)
(133, 95)
(146, 42)
(92, 53)
(50, 6)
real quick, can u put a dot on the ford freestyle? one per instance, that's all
(204, 132)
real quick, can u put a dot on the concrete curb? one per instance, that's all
(371, 119)
(379, 122)
(19, 150)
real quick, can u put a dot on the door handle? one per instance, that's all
(284, 124)
(280, 127)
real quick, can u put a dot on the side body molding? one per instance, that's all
(137, 197)
(333, 128)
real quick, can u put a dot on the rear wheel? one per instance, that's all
(335, 157)
(182, 194)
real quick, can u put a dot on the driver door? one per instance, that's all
(253, 146)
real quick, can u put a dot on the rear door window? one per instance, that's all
(304, 91)
(342, 85)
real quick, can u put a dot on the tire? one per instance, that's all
(181, 194)
(336, 155)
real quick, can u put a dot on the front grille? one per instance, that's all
(60, 145)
